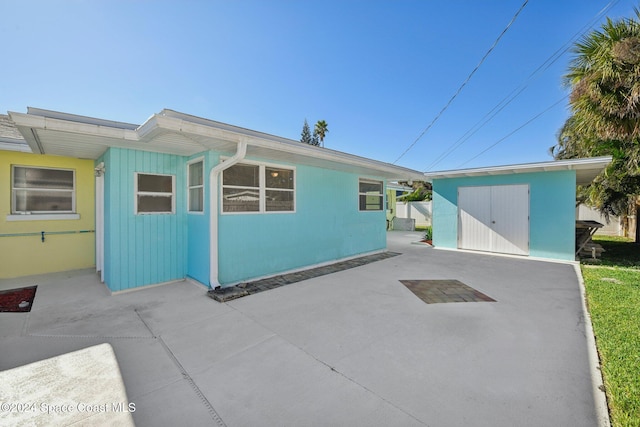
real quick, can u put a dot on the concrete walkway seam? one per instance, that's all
(214, 414)
(332, 368)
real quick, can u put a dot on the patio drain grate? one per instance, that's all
(443, 291)
(250, 288)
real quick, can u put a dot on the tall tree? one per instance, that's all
(314, 138)
(604, 78)
(321, 129)
(306, 133)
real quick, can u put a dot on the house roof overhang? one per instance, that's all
(10, 137)
(172, 132)
(586, 169)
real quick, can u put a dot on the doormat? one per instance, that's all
(442, 291)
(17, 300)
(250, 288)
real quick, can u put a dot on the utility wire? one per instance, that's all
(495, 43)
(524, 85)
(514, 131)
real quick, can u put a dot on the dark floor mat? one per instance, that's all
(441, 291)
(250, 288)
(17, 300)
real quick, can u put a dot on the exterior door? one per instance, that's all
(494, 218)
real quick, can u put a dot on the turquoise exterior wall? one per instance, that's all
(326, 226)
(142, 249)
(198, 227)
(147, 249)
(551, 204)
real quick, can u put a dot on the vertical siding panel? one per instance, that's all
(142, 249)
(116, 209)
(154, 235)
(123, 248)
(169, 221)
(150, 243)
(140, 237)
(128, 212)
(108, 264)
(179, 221)
(120, 160)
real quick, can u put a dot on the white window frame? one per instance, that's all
(200, 186)
(381, 194)
(137, 193)
(262, 189)
(67, 214)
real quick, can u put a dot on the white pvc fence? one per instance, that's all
(420, 211)
(614, 228)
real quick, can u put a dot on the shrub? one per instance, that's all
(428, 233)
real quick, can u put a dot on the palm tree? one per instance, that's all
(604, 77)
(321, 130)
(605, 80)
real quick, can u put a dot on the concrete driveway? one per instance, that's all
(353, 348)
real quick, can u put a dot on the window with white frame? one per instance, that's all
(155, 193)
(258, 188)
(39, 190)
(195, 185)
(370, 194)
(279, 191)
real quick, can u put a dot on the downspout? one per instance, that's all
(214, 175)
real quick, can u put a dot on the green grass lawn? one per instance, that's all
(613, 295)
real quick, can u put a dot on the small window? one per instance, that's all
(370, 195)
(196, 186)
(42, 190)
(279, 189)
(154, 193)
(258, 188)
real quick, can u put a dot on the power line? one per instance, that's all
(495, 43)
(514, 131)
(521, 88)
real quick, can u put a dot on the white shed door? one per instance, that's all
(494, 218)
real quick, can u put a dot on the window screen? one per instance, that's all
(155, 193)
(43, 190)
(370, 195)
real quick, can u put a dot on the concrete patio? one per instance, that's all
(352, 348)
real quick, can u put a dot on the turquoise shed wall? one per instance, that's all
(326, 226)
(142, 249)
(551, 204)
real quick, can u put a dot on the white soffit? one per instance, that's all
(586, 169)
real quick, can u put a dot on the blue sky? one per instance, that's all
(377, 71)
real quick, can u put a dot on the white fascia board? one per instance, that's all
(39, 122)
(184, 126)
(79, 119)
(270, 142)
(180, 123)
(295, 147)
(7, 145)
(591, 163)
